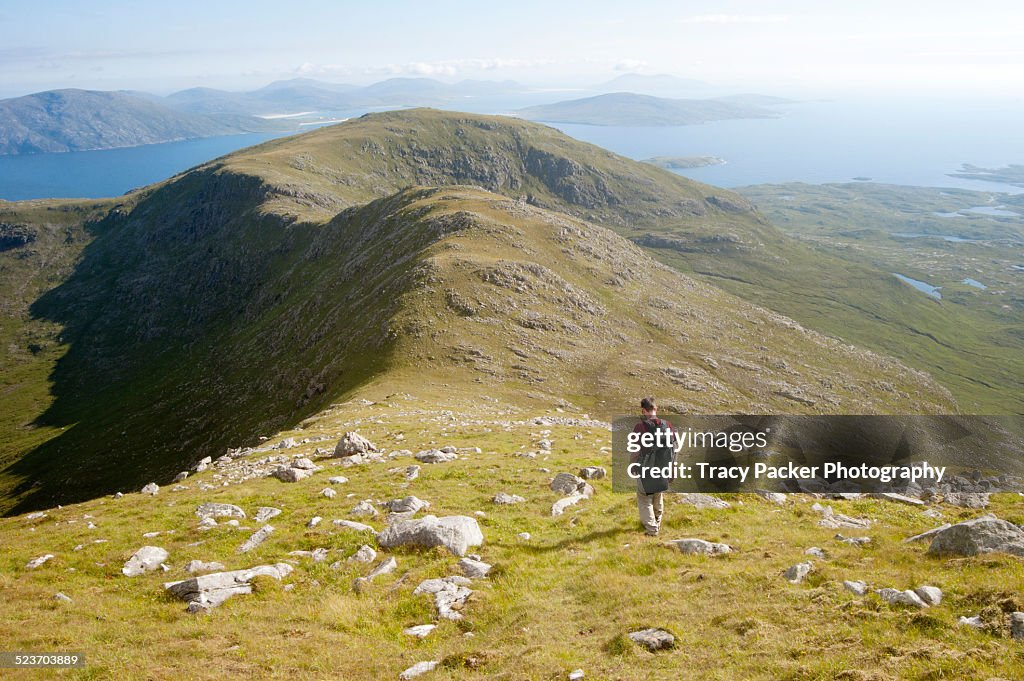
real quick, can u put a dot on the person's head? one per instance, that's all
(647, 407)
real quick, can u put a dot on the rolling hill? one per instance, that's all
(470, 254)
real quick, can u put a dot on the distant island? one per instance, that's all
(627, 108)
(1011, 174)
(683, 162)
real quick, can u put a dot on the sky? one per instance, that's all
(786, 47)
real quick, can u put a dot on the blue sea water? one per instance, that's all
(913, 142)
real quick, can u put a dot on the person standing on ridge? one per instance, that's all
(650, 500)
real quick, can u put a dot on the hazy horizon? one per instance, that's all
(789, 48)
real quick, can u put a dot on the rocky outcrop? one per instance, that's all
(456, 533)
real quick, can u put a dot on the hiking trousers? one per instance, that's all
(651, 507)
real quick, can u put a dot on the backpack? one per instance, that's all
(656, 457)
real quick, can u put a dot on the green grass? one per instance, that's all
(560, 601)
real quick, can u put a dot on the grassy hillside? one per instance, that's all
(563, 599)
(194, 322)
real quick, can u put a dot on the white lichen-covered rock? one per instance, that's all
(456, 533)
(701, 500)
(856, 587)
(37, 562)
(353, 443)
(436, 456)
(365, 554)
(144, 560)
(408, 504)
(987, 534)
(450, 594)
(265, 513)
(474, 569)
(505, 499)
(931, 595)
(653, 639)
(692, 545)
(796, 573)
(418, 669)
(208, 591)
(213, 510)
(420, 630)
(897, 597)
(151, 489)
(257, 538)
(328, 493)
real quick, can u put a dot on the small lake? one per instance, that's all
(944, 237)
(997, 211)
(975, 283)
(922, 286)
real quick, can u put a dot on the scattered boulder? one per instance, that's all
(420, 630)
(418, 669)
(408, 505)
(257, 538)
(196, 566)
(898, 498)
(180, 476)
(592, 473)
(62, 597)
(567, 483)
(385, 567)
(265, 513)
(303, 463)
(365, 554)
(927, 535)
(212, 510)
(450, 594)
(144, 560)
(36, 562)
(151, 489)
(817, 552)
(209, 591)
(523, 536)
(974, 621)
(858, 588)
(337, 480)
(352, 525)
(558, 508)
(353, 443)
(835, 521)
(207, 523)
(474, 569)
(202, 465)
(318, 555)
(986, 534)
(364, 507)
(1017, 626)
(313, 522)
(653, 639)
(774, 497)
(702, 500)
(931, 595)
(856, 541)
(576, 675)
(412, 472)
(328, 492)
(693, 546)
(796, 573)
(436, 456)
(456, 533)
(504, 499)
(290, 474)
(897, 597)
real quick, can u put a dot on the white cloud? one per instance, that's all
(630, 65)
(734, 19)
(444, 68)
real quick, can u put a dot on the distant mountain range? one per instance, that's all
(626, 108)
(81, 120)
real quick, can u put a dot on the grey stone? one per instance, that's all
(691, 545)
(856, 541)
(558, 508)
(337, 480)
(435, 456)
(931, 595)
(209, 591)
(835, 521)
(353, 525)
(974, 621)
(151, 489)
(180, 476)
(353, 443)
(927, 535)
(474, 569)
(858, 588)
(408, 504)
(796, 573)
(364, 507)
(62, 597)
(418, 669)
(653, 639)
(1017, 626)
(213, 510)
(365, 554)
(817, 552)
(313, 522)
(898, 498)
(701, 500)
(412, 472)
(987, 534)
(420, 630)
(567, 483)
(503, 498)
(773, 497)
(450, 594)
(195, 566)
(303, 463)
(592, 473)
(289, 474)
(36, 562)
(257, 538)
(456, 533)
(265, 513)
(386, 566)
(897, 597)
(144, 560)
(328, 492)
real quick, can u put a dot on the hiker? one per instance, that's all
(650, 491)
